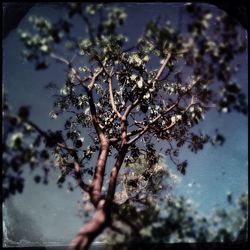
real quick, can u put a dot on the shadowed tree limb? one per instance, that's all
(100, 220)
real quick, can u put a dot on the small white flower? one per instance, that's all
(225, 110)
(133, 77)
(208, 16)
(146, 58)
(43, 41)
(53, 115)
(175, 118)
(178, 117)
(191, 109)
(81, 139)
(147, 96)
(44, 48)
(140, 83)
(135, 59)
(64, 91)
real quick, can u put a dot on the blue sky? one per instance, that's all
(211, 173)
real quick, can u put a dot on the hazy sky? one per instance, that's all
(47, 213)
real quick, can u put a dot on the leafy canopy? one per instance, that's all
(156, 90)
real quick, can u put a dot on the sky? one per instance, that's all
(49, 214)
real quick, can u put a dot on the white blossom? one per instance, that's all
(65, 91)
(44, 48)
(146, 58)
(147, 96)
(225, 110)
(140, 83)
(175, 118)
(53, 115)
(208, 16)
(133, 77)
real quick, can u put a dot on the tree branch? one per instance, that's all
(137, 101)
(77, 173)
(112, 101)
(148, 126)
(65, 61)
(69, 64)
(72, 151)
(39, 130)
(100, 220)
(111, 120)
(145, 129)
(161, 69)
(130, 107)
(78, 178)
(96, 185)
(135, 132)
(90, 86)
(114, 174)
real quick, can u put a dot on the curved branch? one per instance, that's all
(111, 120)
(114, 174)
(100, 220)
(148, 126)
(78, 177)
(68, 63)
(39, 130)
(135, 132)
(91, 85)
(161, 69)
(95, 121)
(72, 152)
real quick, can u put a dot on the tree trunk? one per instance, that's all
(100, 220)
(102, 216)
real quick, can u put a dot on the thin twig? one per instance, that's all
(65, 61)
(93, 80)
(137, 101)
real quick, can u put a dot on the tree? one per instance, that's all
(119, 102)
(179, 223)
